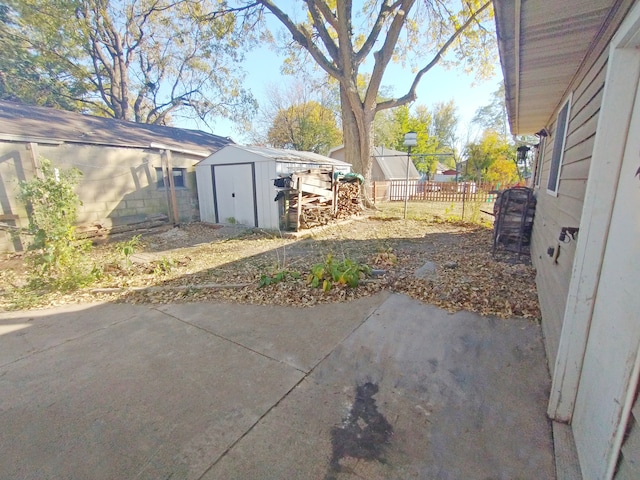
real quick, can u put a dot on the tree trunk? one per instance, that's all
(357, 127)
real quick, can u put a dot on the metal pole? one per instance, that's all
(406, 196)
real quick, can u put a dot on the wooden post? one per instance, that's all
(35, 159)
(172, 189)
(374, 193)
(299, 212)
(334, 188)
(464, 194)
(165, 179)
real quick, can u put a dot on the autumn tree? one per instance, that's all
(300, 115)
(305, 127)
(483, 154)
(342, 39)
(141, 60)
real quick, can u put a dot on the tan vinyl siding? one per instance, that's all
(565, 210)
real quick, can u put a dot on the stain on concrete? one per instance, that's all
(364, 434)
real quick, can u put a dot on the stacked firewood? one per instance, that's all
(316, 198)
(348, 199)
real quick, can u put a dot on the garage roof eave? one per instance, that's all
(535, 38)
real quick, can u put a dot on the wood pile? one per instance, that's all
(316, 198)
(348, 199)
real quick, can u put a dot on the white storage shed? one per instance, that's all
(235, 184)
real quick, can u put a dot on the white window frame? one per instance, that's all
(540, 161)
(559, 142)
(177, 172)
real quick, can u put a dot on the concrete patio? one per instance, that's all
(383, 387)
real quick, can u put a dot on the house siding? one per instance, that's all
(565, 209)
(118, 185)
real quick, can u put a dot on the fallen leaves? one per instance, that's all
(200, 263)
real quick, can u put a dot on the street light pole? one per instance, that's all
(410, 140)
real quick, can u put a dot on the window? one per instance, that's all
(179, 175)
(558, 148)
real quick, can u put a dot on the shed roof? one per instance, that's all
(289, 156)
(393, 163)
(543, 45)
(28, 123)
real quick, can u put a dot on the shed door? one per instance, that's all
(234, 193)
(609, 372)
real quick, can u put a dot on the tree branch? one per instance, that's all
(384, 55)
(303, 38)
(411, 94)
(318, 22)
(383, 14)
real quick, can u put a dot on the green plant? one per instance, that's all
(346, 272)
(163, 266)
(56, 258)
(278, 277)
(128, 248)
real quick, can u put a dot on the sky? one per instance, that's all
(262, 68)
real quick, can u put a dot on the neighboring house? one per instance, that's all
(445, 174)
(572, 70)
(235, 184)
(387, 164)
(122, 165)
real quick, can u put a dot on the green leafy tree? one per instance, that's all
(436, 129)
(37, 77)
(494, 115)
(444, 130)
(140, 60)
(306, 127)
(341, 37)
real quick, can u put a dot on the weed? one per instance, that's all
(346, 272)
(128, 248)
(278, 277)
(163, 266)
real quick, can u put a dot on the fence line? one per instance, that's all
(396, 190)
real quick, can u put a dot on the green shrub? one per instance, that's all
(56, 258)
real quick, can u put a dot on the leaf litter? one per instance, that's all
(196, 262)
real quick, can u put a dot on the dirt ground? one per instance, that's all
(198, 262)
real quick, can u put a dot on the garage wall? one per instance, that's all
(118, 185)
(565, 209)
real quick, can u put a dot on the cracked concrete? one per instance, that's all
(219, 391)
